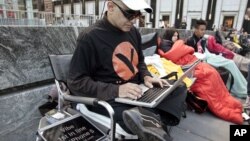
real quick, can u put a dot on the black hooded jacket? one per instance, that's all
(166, 45)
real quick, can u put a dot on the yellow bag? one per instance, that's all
(237, 45)
(169, 67)
(235, 39)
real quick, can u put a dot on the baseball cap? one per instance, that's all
(137, 5)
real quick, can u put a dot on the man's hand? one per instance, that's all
(149, 81)
(130, 90)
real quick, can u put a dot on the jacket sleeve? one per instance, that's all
(244, 26)
(216, 48)
(82, 69)
(190, 42)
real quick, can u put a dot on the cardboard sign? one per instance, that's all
(75, 128)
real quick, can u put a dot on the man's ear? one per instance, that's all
(110, 6)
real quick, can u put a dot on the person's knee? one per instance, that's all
(182, 87)
(179, 94)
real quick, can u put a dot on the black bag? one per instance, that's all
(224, 73)
(196, 103)
(51, 103)
(47, 107)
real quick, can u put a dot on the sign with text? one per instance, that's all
(239, 132)
(74, 129)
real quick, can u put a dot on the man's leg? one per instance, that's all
(247, 103)
(172, 107)
(146, 124)
(140, 121)
(118, 109)
(151, 124)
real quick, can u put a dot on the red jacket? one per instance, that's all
(216, 48)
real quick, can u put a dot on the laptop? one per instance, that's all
(153, 96)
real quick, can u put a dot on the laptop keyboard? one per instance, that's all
(151, 94)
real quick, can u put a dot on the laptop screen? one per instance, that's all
(76, 129)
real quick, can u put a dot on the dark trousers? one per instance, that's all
(170, 109)
(248, 81)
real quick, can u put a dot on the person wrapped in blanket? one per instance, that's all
(218, 56)
(242, 62)
(213, 46)
(208, 85)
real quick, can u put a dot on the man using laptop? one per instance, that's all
(108, 63)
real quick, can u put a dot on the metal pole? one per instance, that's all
(83, 7)
(96, 7)
(72, 7)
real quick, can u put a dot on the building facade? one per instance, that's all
(174, 13)
(10, 8)
(217, 13)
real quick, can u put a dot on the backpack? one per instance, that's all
(225, 74)
(196, 103)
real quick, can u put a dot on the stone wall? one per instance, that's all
(26, 76)
(24, 53)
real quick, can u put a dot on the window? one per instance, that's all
(193, 21)
(67, 9)
(165, 19)
(58, 11)
(228, 22)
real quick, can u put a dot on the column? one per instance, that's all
(174, 3)
(15, 4)
(204, 9)
(242, 10)
(83, 7)
(185, 8)
(152, 15)
(15, 9)
(29, 9)
(179, 13)
(62, 7)
(210, 14)
(3, 7)
(96, 7)
(218, 13)
(53, 7)
(72, 7)
(157, 11)
(39, 5)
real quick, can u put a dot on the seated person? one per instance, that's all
(234, 47)
(208, 84)
(108, 63)
(232, 36)
(241, 61)
(198, 42)
(244, 40)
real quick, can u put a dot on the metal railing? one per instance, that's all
(19, 17)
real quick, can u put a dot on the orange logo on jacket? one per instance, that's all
(125, 60)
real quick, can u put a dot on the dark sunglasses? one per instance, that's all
(129, 14)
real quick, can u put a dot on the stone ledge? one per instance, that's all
(20, 116)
